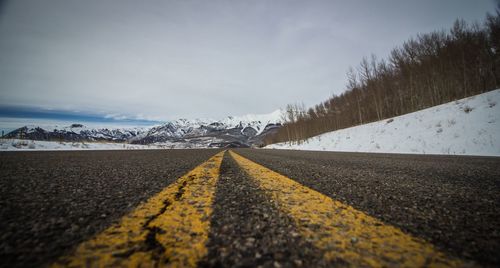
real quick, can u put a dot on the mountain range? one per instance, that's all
(232, 131)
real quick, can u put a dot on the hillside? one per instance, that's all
(469, 126)
(426, 70)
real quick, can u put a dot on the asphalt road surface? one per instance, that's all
(51, 203)
(453, 202)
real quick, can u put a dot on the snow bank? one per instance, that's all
(34, 145)
(469, 126)
(30, 145)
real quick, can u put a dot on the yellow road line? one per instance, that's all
(347, 236)
(170, 229)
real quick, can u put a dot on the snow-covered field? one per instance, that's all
(30, 145)
(469, 126)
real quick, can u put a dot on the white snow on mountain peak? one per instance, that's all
(233, 130)
(256, 121)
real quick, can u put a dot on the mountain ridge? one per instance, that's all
(231, 131)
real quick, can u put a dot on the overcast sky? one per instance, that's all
(163, 59)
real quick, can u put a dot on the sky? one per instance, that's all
(162, 60)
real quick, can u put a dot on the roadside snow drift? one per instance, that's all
(469, 126)
(32, 145)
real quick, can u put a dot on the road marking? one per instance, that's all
(170, 229)
(347, 236)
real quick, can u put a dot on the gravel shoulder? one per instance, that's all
(454, 202)
(52, 201)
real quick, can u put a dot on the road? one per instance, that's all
(247, 207)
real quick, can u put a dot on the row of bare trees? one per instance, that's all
(425, 71)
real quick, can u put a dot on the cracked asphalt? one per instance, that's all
(52, 201)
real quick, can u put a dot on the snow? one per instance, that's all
(177, 129)
(31, 145)
(189, 132)
(35, 145)
(257, 121)
(8, 124)
(96, 131)
(185, 128)
(469, 126)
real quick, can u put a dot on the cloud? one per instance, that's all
(169, 59)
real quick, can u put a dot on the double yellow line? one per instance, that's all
(171, 229)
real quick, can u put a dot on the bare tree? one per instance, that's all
(428, 70)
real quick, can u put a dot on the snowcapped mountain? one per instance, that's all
(74, 132)
(231, 131)
(255, 121)
(237, 131)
